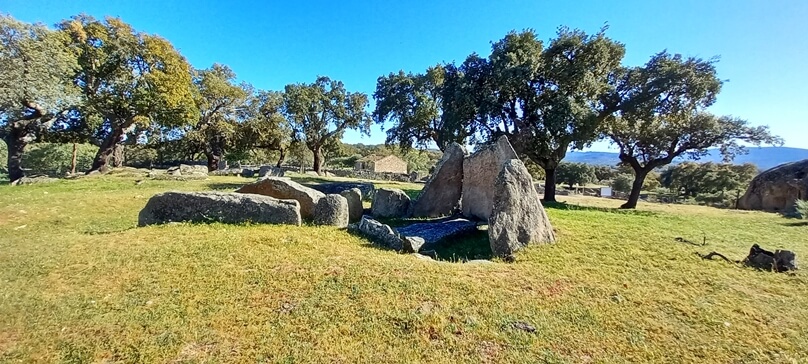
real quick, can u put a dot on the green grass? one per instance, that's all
(79, 282)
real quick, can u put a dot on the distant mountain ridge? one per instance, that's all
(763, 157)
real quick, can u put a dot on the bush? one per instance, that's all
(801, 207)
(623, 182)
(55, 159)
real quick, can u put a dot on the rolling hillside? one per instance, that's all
(763, 157)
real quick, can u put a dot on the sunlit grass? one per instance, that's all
(79, 282)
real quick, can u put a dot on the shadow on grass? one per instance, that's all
(796, 223)
(225, 186)
(572, 207)
(457, 249)
(101, 231)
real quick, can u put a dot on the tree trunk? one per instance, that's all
(634, 196)
(318, 160)
(74, 159)
(16, 146)
(549, 185)
(281, 158)
(118, 156)
(105, 150)
(213, 161)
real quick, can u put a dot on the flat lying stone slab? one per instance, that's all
(337, 187)
(218, 207)
(430, 233)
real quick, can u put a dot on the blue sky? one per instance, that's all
(762, 44)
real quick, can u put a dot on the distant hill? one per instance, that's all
(763, 157)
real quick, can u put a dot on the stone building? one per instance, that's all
(379, 164)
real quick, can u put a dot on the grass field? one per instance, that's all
(79, 282)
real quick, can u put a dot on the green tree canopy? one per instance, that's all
(662, 117)
(545, 99)
(320, 112)
(265, 127)
(35, 85)
(128, 79)
(221, 102)
(575, 174)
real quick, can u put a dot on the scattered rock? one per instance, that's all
(422, 257)
(331, 210)
(480, 171)
(248, 173)
(390, 203)
(218, 207)
(380, 234)
(523, 326)
(776, 189)
(193, 170)
(355, 207)
(270, 171)
(431, 233)
(33, 180)
(285, 188)
(778, 261)
(518, 217)
(444, 188)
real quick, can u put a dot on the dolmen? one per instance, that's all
(490, 185)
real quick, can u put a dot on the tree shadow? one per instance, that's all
(471, 246)
(795, 223)
(457, 249)
(231, 186)
(573, 207)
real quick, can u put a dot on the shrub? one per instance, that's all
(55, 159)
(801, 207)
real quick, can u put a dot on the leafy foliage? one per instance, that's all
(423, 107)
(575, 174)
(35, 84)
(661, 116)
(320, 113)
(128, 79)
(710, 183)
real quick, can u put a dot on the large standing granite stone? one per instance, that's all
(331, 210)
(778, 188)
(517, 218)
(480, 172)
(426, 235)
(285, 188)
(219, 207)
(390, 202)
(442, 192)
(355, 207)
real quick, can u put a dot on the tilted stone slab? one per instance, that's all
(218, 207)
(518, 217)
(284, 188)
(442, 191)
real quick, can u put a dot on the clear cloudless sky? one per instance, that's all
(762, 44)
